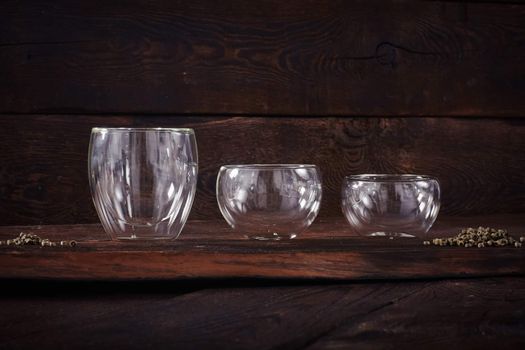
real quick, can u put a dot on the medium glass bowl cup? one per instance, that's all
(143, 180)
(391, 205)
(269, 201)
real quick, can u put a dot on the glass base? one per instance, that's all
(144, 238)
(272, 237)
(143, 232)
(391, 234)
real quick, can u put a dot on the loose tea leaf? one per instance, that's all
(480, 237)
(32, 239)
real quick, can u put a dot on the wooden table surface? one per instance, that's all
(415, 300)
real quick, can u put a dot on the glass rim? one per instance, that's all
(157, 129)
(268, 166)
(389, 178)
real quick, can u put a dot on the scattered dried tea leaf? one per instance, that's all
(480, 237)
(32, 239)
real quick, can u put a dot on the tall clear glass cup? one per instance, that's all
(143, 180)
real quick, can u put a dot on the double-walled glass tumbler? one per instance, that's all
(269, 201)
(391, 205)
(143, 180)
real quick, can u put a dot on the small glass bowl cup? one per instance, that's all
(269, 201)
(143, 180)
(391, 205)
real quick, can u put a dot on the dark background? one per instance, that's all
(432, 87)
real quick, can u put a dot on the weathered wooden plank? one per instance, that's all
(457, 314)
(228, 318)
(211, 230)
(448, 314)
(294, 58)
(329, 251)
(480, 162)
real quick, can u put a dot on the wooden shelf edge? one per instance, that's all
(329, 250)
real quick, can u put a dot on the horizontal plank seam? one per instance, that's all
(494, 2)
(133, 114)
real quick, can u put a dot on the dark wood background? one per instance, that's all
(321, 57)
(480, 162)
(431, 87)
(355, 86)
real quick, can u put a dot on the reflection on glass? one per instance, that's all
(269, 201)
(142, 180)
(391, 205)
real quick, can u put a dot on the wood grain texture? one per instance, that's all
(228, 318)
(479, 162)
(449, 314)
(460, 314)
(210, 250)
(269, 57)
